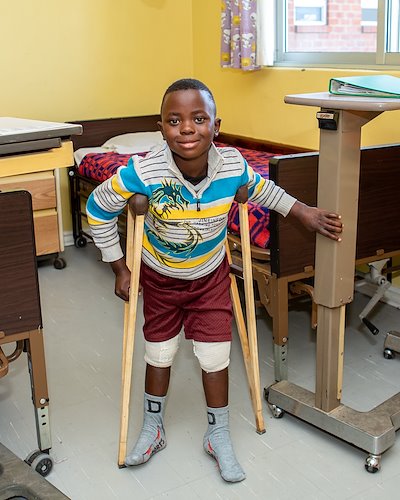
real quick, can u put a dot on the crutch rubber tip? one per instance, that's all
(123, 466)
(138, 204)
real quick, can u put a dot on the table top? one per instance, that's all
(15, 130)
(331, 101)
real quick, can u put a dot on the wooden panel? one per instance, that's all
(42, 188)
(96, 132)
(379, 201)
(37, 162)
(19, 292)
(46, 233)
(292, 246)
(378, 230)
(259, 144)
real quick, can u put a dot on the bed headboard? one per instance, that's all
(96, 132)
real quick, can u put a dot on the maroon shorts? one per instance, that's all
(202, 306)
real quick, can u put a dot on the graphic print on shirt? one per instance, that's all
(163, 202)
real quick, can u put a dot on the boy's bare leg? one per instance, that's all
(152, 435)
(217, 440)
(157, 380)
(216, 388)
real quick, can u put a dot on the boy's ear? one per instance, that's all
(159, 124)
(217, 125)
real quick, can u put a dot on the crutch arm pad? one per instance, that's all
(138, 204)
(242, 194)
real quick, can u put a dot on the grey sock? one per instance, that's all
(217, 443)
(152, 436)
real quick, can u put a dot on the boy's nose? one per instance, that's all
(187, 127)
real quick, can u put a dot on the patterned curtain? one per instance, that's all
(239, 34)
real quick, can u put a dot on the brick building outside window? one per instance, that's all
(331, 25)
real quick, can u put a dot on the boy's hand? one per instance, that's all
(315, 219)
(122, 278)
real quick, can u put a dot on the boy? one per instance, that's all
(185, 279)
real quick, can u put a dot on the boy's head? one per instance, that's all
(190, 84)
(188, 120)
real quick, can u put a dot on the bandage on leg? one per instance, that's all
(161, 354)
(152, 436)
(212, 356)
(217, 443)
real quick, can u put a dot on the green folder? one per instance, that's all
(366, 86)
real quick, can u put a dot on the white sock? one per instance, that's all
(217, 443)
(152, 436)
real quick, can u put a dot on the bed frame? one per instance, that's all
(285, 270)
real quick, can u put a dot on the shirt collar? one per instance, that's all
(215, 160)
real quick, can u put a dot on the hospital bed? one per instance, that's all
(283, 252)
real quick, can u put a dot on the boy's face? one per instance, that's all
(188, 123)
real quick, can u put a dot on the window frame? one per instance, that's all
(355, 60)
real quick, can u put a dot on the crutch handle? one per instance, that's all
(138, 204)
(242, 194)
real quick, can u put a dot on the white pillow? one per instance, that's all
(135, 142)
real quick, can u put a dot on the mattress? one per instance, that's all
(100, 166)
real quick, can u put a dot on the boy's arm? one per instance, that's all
(103, 208)
(106, 203)
(267, 193)
(316, 219)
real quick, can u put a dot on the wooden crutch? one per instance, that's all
(248, 336)
(137, 208)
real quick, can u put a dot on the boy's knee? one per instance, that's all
(212, 356)
(161, 354)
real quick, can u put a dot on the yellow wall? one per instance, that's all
(84, 59)
(105, 58)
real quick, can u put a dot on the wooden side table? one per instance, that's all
(31, 154)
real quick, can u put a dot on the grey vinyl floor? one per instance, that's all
(83, 325)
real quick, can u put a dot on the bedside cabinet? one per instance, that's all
(37, 171)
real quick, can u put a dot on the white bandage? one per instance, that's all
(212, 356)
(161, 354)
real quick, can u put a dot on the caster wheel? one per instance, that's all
(80, 242)
(276, 411)
(31, 457)
(59, 263)
(42, 464)
(373, 463)
(388, 354)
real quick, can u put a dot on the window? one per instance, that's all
(309, 12)
(355, 33)
(369, 12)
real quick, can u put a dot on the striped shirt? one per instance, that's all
(186, 225)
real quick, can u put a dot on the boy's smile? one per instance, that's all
(188, 124)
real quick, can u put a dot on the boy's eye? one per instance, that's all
(199, 119)
(174, 121)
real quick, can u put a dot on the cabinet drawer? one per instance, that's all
(40, 161)
(41, 186)
(46, 232)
